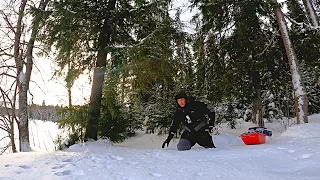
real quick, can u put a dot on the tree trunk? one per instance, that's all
(298, 87)
(23, 124)
(257, 102)
(259, 105)
(69, 84)
(24, 78)
(14, 119)
(98, 76)
(11, 135)
(69, 97)
(23, 118)
(312, 15)
(257, 108)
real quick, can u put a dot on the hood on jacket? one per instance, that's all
(180, 95)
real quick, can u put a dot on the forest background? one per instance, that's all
(246, 59)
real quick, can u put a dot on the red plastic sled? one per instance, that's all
(253, 138)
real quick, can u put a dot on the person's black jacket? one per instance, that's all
(193, 116)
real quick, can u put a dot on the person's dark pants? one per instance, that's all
(188, 140)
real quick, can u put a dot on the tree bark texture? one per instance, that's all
(312, 15)
(24, 77)
(298, 88)
(23, 113)
(13, 144)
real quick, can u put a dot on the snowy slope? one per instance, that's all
(293, 155)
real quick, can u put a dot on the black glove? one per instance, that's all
(167, 141)
(210, 130)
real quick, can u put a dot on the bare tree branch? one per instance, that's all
(4, 138)
(4, 149)
(6, 18)
(6, 74)
(7, 66)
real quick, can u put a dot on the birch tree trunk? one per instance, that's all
(301, 101)
(24, 77)
(312, 15)
(23, 113)
(98, 76)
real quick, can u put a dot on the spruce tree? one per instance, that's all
(97, 30)
(239, 38)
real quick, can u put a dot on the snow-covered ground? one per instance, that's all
(294, 155)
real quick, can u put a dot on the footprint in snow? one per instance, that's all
(7, 165)
(25, 167)
(67, 160)
(58, 167)
(280, 148)
(63, 173)
(118, 158)
(305, 156)
(156, 175)
(69, 172)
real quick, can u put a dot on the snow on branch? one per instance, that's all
(144, 6)
(139, 43)
(302, 24)
(269, 44)
(147, 37)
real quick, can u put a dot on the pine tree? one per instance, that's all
(239, 40)
(129, 41)
(158, 66)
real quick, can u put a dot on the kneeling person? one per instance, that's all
(195, 116)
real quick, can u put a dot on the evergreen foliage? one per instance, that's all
(117, 121)
(73, 119)
(235, 61)
(247, 54)
(145, 75)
